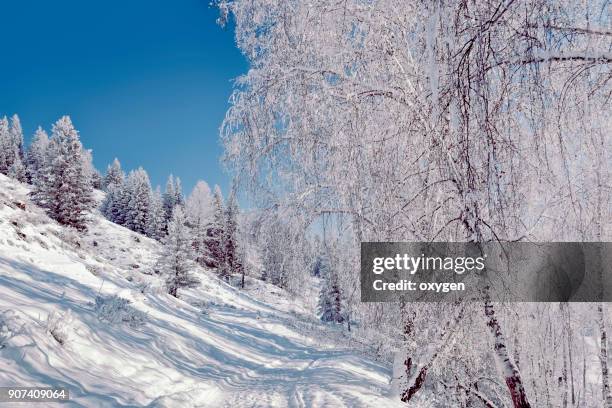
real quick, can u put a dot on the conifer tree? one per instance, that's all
(232, 258)
(65, 188)
(155, 216)
(35, 157)
(139, 201)
(16, 133)
(216, 236)
(6, 148)
(169, 198)
(17, 169)
(11, 149)
(96, 179)
(176, 262)
(330, 298)
(179, 199)
(199, 211)
(114, 175)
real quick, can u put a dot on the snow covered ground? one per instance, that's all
(214, 347)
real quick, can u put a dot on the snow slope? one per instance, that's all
(214, 347)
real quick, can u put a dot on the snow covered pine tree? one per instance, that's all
(176, 262)
(114, 175)
(35, 156)
(11, 149)
(156, 216)
(139, 201)
(215, 241)
(199, 209)
(330, 298)
(65, 188)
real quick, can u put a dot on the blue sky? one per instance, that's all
(144, 80)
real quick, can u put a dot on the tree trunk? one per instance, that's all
(511, 373)
(603, 357)
(444, 339)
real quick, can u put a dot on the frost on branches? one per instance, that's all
(434, 121)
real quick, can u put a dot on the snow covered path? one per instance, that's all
(215, 347)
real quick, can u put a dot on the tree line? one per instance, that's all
(202, 228)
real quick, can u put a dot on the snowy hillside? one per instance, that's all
(216, 347)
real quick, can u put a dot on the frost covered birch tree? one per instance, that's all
(425, 121)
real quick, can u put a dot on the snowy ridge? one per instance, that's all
(215, 347)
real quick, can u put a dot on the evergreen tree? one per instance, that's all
(169, 198)
(115, 203)
(96, 179)
(176, 262)
(16, 133)
(65, 187)
(35, 157)
(155, 216)
(232, 259)
(114, 175)
(92, 172)
(330, 298)
(199, 210)
(215, 241)
(179, 199)
(6, 146)
(11, 148)
(120, 200)
(17, 169)
(107, 204)
(139, 201)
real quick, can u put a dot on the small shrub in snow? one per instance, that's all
(9, 327)
(93, 269)
(70, 236)
(17, 222)
(58, 325)
(115, 309)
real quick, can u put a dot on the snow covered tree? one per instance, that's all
(91, 172)
(179, 198)
(11, 149)
(169, 197)
(330, 298)
(232, 256)
(6, 146)
(115, 203)
(139, 200)
(176, 262)
(35, 155)
(199, 211)
(215, 242)
(18, 170)
(199, 204)
(156, 216)
(96, 179)
(114, 175)
(65, 186)
(16, 133)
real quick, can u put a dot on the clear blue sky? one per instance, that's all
(144, 80)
